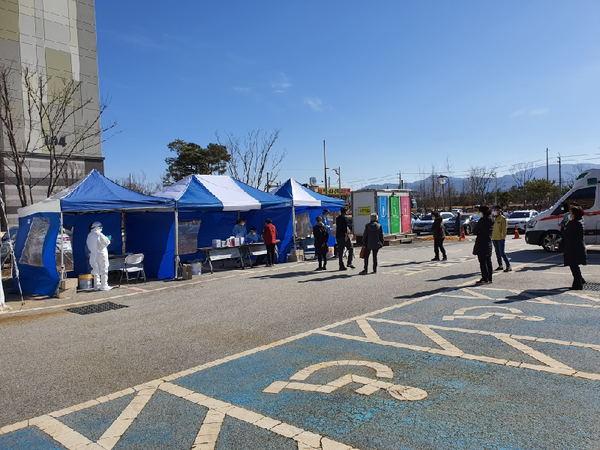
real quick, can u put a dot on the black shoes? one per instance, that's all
(343, 268)
(482, 281)
(499, 268)
(351, 266)
(435, 259)
(445, 258)
(363, 272)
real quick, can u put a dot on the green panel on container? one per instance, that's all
(394, 214)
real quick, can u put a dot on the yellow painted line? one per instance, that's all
(367, 329)
(439, 340)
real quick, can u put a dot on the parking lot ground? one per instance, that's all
(468, 367)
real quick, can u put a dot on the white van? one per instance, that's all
(544, 229)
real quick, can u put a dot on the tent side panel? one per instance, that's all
(153, 234)
(41, 278)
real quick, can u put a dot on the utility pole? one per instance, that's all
(400, 181)
(338, 172)
(267, 181)
(559, 175)
(325, 167)
(547, 173)
(495, 188)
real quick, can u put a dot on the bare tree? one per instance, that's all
(479, 181)
(522, 173)
(253, 156)
(138, 182)
(46, 116)
(73, 172)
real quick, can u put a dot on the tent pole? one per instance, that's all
(294, 225)
(62, 249)
(176, 242)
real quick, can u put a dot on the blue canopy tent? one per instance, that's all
(307, 202)
(206, 208)
(44, 229)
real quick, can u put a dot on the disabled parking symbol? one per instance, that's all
(370, 385)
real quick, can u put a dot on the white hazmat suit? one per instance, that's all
(97, 244)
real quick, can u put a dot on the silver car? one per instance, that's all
(423, 225)
(520, 220)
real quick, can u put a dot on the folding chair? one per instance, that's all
(133, 264)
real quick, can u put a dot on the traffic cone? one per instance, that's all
(462, 234)
(517, 235)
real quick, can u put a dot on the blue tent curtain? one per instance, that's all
(40, 276)
(157, 243)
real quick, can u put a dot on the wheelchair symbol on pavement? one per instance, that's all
(513, 313)
(370, 386)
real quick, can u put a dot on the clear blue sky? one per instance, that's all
(390, 85)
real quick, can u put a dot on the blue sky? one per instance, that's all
(389, 85)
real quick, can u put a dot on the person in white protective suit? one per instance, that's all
(97, 244)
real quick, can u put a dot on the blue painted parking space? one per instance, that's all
(464, 368)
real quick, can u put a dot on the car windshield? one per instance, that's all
(426, 217)
(519, 215)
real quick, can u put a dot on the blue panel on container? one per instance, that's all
(384, 214)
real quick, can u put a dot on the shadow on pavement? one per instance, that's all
(528, 294)
(539, 268)
(430, 292)
(409, 263)
(332, 277)
(455, 277)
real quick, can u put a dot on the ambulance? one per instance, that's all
(544, 229)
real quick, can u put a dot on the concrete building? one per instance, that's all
(56, 38)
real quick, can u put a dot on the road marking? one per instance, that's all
(439, 340)
(367, 329)
(206, 439)
(515, 314)
(370, 386)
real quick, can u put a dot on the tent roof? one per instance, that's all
(95, 192)
(219, 193)
(303, 196)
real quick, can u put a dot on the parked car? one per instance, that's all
(423, 225)
(467, 221)
(10, 236)
(520, 219)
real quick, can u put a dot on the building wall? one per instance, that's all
(57, 37)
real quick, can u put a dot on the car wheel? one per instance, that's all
(467, 229)
(551, 241)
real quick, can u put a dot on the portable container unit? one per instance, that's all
(392, 206)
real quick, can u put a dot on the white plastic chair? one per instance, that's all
(133, 264)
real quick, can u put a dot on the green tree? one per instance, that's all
(504, 198)
(538, 191)
(192, 159)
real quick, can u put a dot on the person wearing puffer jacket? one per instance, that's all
(372, 241)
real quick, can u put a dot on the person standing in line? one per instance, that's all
(321, 236)
(342, 231)
(575, 253)
(483, 244)
(269, 237)
(372, 241)
(439, 234)
(499, 238)
(457, 224)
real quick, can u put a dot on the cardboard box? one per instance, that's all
(68, 283)
(186, 272)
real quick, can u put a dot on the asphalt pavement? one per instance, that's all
(415, 356)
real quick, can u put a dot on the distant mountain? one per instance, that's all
(569, 173)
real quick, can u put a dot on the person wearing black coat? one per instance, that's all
(483, 244)
(321, 236)
(372, 241)
(575, 253)
(439, 234)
